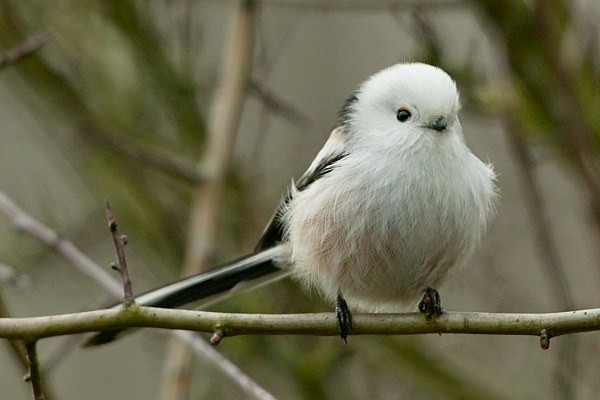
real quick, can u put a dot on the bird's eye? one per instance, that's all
(403, 114)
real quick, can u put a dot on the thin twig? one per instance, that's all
(27, 48)
(16, 346)
(277, 105)
(121, 265)
(157, 158)
(34, 375)
(71, 254)
(247, 384)
(318, 324)
(63, 247)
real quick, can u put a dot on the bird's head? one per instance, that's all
(406, 104)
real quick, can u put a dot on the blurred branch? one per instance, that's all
(247, 384)
(63, 247)
(226, 113)
(440, 376)
(73, 255)
(318, 324)
(552, 104)
(18, 349)
(155, 157)
(23, 50)
(548, 252)
(533, 193)
(223, 123)
(177, 90)
(552, 96)
(160, 108)
(34, 375)
(277, 105)
(362, 4)
(16, 346)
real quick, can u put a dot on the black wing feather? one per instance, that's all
(274, 232)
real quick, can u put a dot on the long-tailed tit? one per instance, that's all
(392, 202)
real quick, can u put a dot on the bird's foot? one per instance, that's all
(343, 316)
(431, 304)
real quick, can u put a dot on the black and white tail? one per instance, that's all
(242, 274)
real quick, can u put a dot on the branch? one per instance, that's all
(121, 264)
(548, 252)
(34, 375)
(27, 224)
(223, 123)
(27, 48)
(197, 344)
(63, 247)
(277, 105)
(155, 157)
(319, 324)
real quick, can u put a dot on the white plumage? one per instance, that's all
(392, 202)
(404, 206)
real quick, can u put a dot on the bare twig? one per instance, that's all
(157, 158)
(65, 248)
(73, 255)
(277, 105)
(238, 376)
(317, 324)
(34, 375)
(27, 48)
(121, 265)
(16, 346)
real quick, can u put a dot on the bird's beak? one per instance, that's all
(440, 124)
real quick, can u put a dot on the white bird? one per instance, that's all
(392, 203)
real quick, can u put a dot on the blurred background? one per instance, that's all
(191, 117)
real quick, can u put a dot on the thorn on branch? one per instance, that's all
(545, 339)
(119, 242)
(217, 337)
(34, 375)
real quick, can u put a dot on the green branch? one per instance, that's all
(319, 324)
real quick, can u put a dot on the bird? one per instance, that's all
(392, 203)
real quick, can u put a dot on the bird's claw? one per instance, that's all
(343, 317)
(431, 304)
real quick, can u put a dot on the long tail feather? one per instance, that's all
(239, 275)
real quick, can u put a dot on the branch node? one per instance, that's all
(124, 240)
(217, 337)
(545, 339)
(114, 266)
(119, 242)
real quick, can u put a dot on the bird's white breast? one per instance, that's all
(381, 235)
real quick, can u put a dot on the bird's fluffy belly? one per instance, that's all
(377, 261)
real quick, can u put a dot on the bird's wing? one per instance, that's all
(334, 150)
